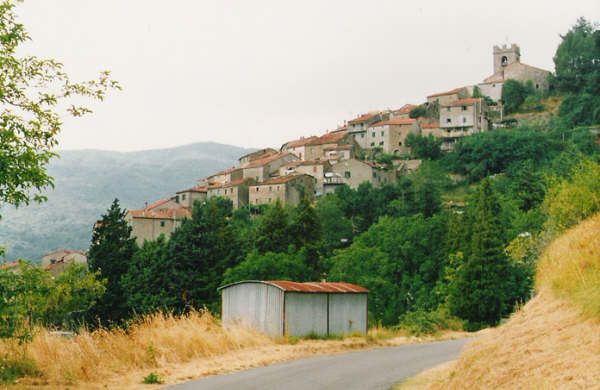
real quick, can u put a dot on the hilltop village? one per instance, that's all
(316, 165)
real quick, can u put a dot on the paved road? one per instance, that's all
(371, 369)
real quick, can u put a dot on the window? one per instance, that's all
(372, 143)
(183, 197)
(269, 200)
(464, 108)
(300, 156)
(374, 174)
(493, 85)
(257, 189)
(464, 120)
(537, 86)
(362, 136)
(177, 199)
(373, 134)
(382, 133)
(381, 143)
(400, 143)
(162, 223)
(347, 174)
(277, 188)
(270, 189)
(314, 170)
(448, 109)
(448, 120)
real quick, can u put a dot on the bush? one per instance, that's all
(421, 322)
(152, 379)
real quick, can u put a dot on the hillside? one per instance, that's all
(86, 181)
(553, 341)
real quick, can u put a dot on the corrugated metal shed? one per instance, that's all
(281, 307)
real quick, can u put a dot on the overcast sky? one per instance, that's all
(261, 72)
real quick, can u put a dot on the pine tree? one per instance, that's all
(273, 234)
(480, 293)
(305, 230)
(110, 254)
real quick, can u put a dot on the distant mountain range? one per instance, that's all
(87, 181)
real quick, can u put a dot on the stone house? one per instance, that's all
(445, 98)
(335, 154)
(149, 223)
(435, 130)
(298, 147)
(390, 135)
(317, 148)
(314, 168)
(186, 198)
(353, 172)
(263, 169)
(236, 191)
(508, 65)
(461, 118)
(257, 155)
(63, 257)
(289, 190)
(224, 176)
(358, 126)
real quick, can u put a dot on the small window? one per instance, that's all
(277, 188)
(314, 170)
(372, 143)
(162, 223)
(183, 197)
(493, 85)
(373, 134)
(400, 143)
(362, 136)
(300, 156)
(270, 189)
(347, 174)
(537, 86)
(257, 189)
(269, 200)
(464, 108)
(382, 133)
(177, 199)
(448, 120)
(381, 143)
(464, 120)
(448, 109)
(375, 174)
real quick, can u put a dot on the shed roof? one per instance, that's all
(308, 287)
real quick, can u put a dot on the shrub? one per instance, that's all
(421, 322)
(152, 379)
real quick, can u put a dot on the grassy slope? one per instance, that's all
(552, 342)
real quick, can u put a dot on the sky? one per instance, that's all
(259, 73)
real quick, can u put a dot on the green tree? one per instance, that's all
(110, 253)
(273, 230)
(199, 252)
(144, 283)
(514, 94)
(482, 290)
(336, 228)
(270, 266)
(427, 148)
(33, 92)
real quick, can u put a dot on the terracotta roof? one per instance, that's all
(405, 109)
(5, 266)
(395, 121)
(267, 160)
(465, 102)
(339, 147)
(179, 213)
(330, 138)
(198, 188)
(280, 180)
(308, 287)
(317, 287)
(363, 117)
(225, 171)
(300, 142)
(497, 77)
(259, 153)
(232, 183)
(158, 203)
(451, 92)
(433, 125)
(298, 163)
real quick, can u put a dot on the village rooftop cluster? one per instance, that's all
(315, 165)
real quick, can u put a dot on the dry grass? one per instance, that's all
(553, 342)
(176, 348)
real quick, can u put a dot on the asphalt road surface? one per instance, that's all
(378, 368)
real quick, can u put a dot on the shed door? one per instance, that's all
(305, 313)
(347, 313)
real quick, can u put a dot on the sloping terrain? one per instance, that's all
(553, 342)
(86, 182)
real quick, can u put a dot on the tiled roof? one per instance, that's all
(300, 142)
(363, 117)
(280, 179)
(259, 153)
(267, 160)
(465, 102)
(330, 138)
(405, 109)
(451, 92)
(339, 147)
(5, 266)
(158, 203)
(178, 213)
(298, 163)
(395, 121)
(226, 171)
(198, 188)
(432, 125)
(232, 183)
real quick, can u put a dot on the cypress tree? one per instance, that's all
(480, 292)
(110, 253)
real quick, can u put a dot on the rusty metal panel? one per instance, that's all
(347, 313)
(317, 287)
(254, 304)
(305, 313)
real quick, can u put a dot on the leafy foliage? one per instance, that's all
(428, 148)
